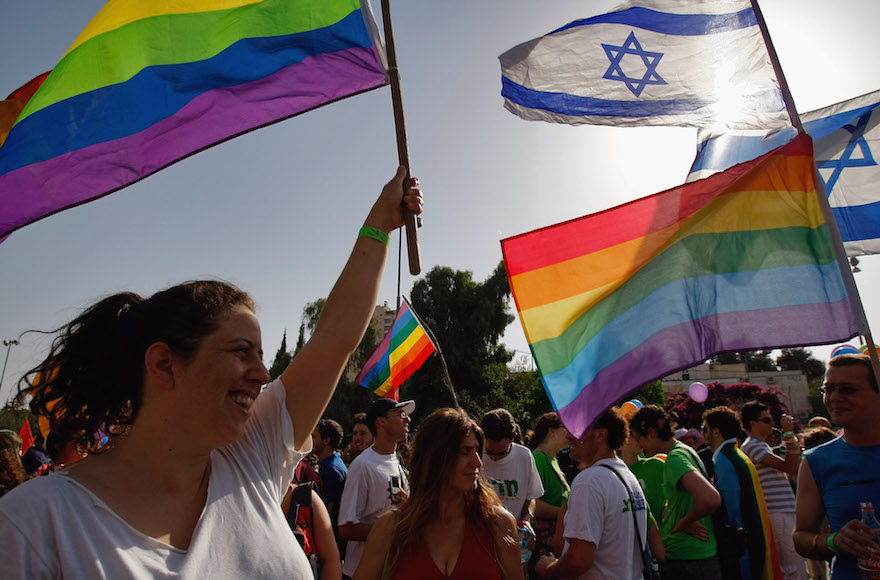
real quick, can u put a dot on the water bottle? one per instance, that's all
(525, 537)
(870, 566)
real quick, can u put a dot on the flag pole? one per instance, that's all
(412, 240)
(436, 344)
(836, 239)
(777, 68)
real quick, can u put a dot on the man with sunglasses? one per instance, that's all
(772, 471)
(837, 476)
(510, 467)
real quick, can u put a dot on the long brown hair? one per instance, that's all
(433, 452)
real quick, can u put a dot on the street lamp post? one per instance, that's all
(8, 344)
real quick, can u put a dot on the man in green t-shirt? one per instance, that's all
(687, 529)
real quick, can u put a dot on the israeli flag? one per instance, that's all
(693, 63)
(846, 140)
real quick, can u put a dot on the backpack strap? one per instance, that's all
(632, 508)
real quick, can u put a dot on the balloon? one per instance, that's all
(844, 349)
(863, 349)
(698, 392)
(628, 410)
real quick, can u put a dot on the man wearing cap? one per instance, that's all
(367, 494)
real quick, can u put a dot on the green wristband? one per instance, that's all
(831, 545)
(374, 233)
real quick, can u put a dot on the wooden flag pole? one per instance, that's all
(412, 240)
(836, 239)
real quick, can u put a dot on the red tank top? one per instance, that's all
(476, 560)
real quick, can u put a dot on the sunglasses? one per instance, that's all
(767, 420)
(844, 390)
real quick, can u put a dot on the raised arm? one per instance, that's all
(312, 376)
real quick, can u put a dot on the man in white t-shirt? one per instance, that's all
(600, 534)
(510, 467)
(367, 494)
(772, 469)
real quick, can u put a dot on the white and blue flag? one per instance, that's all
(693, 63)
(846, 141)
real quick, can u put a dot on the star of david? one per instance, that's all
(650, 59)
(856, 139)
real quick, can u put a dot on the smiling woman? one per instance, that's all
(198, 460)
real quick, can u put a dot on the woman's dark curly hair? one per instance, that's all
(654, 417)
(92, 380)
(12, 472)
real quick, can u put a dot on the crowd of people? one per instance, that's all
(635, 497)
(169, 458)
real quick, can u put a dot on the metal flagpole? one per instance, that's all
(412, 240)
(836, 240)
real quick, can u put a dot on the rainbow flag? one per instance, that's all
(14, 104)
(741, 260)
(403, 350)
(149, 83)
(737, 480)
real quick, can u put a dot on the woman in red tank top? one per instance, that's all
(453, 524)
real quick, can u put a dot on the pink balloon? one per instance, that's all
(698, 392)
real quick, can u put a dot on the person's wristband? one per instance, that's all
(816, 549)
(374, 233)
(831, 545)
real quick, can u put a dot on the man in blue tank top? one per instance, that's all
(838, 475)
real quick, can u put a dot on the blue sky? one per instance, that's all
(276, 211)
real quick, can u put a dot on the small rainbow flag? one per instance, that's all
(741, 260)
(149, 83)
(401, 353)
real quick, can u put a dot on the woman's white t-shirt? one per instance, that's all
(54, 527)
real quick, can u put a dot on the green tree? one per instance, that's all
(468, 319)
(349, 397)
(282, 358)
(651, 394)
(759, 361)
(516, 389)
(801, 359)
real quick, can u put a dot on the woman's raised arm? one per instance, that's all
(312, 376)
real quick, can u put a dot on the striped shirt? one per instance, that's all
(777, 489)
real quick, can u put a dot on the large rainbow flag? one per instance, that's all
(149, 83)
(403, 350)
(741, 260)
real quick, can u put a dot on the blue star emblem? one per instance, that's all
(856, 139)
(650, 59)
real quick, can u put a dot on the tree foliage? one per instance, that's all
(468, 319)
(651, 394)
(282, 358)
(518, 390)
(758, 360)
(801, 359)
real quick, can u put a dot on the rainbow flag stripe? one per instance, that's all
(149, 83)
(401, 353)
(739, 261)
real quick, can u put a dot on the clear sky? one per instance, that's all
(276, 211)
